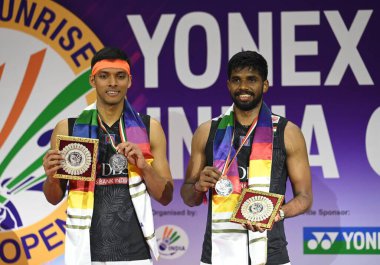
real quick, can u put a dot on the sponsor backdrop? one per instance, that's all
(323, 65)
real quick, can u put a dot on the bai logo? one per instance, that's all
(341, 240)
(172, 241)
(44, 60)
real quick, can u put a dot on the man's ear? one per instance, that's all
(91, 79)
(229, 85)
(266, 86)
(129, 81)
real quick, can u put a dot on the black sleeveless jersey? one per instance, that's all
(115, 233)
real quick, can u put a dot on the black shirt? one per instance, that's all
(115, 233)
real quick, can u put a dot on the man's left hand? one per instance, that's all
(254, 227)
(133, 154)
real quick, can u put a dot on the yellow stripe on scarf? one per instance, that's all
(81, 200)
(260, 168)
(221, 204)
(134, 171)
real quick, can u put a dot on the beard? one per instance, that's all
(246, 105)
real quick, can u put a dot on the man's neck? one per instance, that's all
(246, 117)
(110, 113)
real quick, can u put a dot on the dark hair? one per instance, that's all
(250, 59)
(109, 53)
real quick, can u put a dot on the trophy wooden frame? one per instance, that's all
(257, 207)
(80, 157)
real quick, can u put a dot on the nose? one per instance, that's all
(112, 80)
(243, 84)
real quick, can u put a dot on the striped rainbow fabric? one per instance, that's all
(229, 240)
(81, 193)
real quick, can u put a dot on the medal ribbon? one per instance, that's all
(228, 162)
(121, 132)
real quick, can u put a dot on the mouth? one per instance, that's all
(244, 96)
(112, 93)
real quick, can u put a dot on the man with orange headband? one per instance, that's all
(109, 220)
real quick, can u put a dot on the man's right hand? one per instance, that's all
(207, 179)
(52, 161)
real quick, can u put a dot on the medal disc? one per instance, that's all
(223, 187)
(118, 162)
(257, 208)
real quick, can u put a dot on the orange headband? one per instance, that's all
(111, 64)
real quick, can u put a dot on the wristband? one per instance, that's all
(282, 214)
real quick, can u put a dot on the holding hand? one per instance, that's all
(254, 228)
(257, 227)
(133, 154)
(52, 161)
(207, 179)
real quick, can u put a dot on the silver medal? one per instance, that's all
(223, 187)
(118, 162)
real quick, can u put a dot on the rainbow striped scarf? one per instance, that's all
(230, 240)
(81, 193)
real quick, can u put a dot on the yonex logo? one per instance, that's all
(324, 240)
(342, 240)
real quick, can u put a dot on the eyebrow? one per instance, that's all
(108, 72)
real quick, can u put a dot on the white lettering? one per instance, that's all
(279, 110)
(290, 48)
(151, 47)
(106, 169)
(372, 142)
(348, 238)
(181, 50)
(371, 240)
(359, 240)
(314, 121)
(204, 114)
(243, 171)
(348, 54)
(240, 38)
(179, 133)
(154, 112)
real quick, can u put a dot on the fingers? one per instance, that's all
(277, 218)
(133, 154)
(128, 149)
(208, 178)
(210, 174)
(257, 227)
(52, 161)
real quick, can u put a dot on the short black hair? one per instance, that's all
(109, 53)
(250, 59)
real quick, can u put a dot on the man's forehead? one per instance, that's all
(112, 70)
(241, 70)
